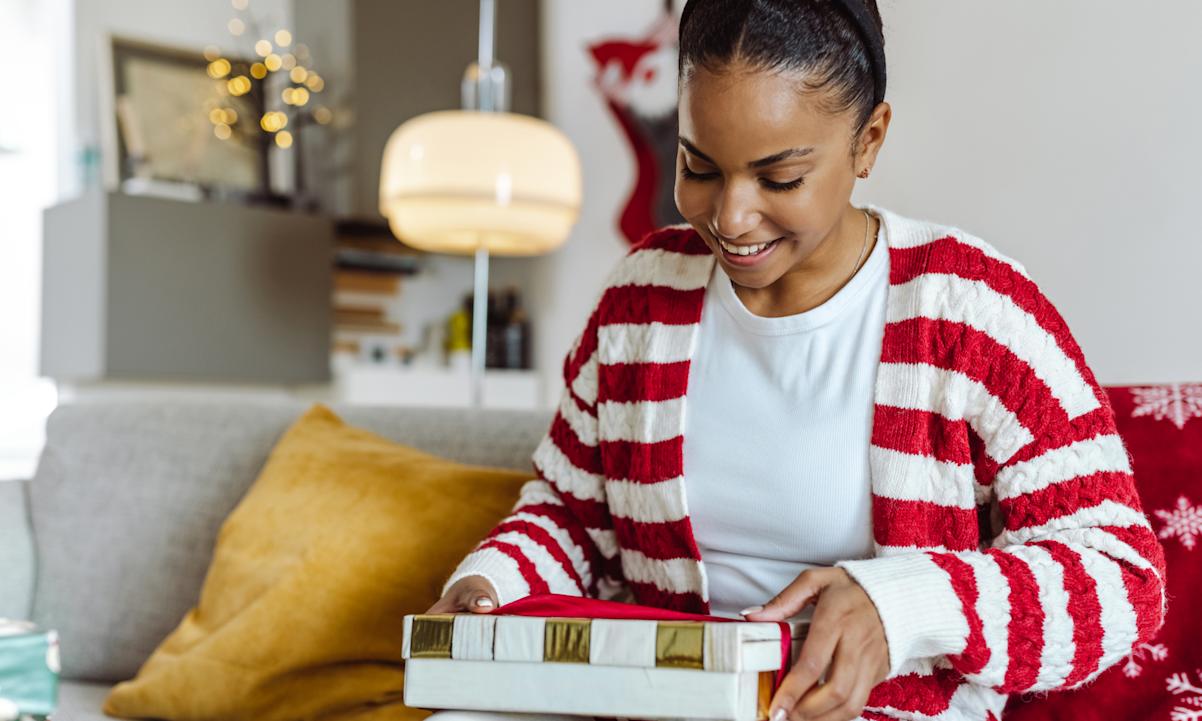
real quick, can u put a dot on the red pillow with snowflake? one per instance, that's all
(1162, 680)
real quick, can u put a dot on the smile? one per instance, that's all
(747, 255)
(746, 249)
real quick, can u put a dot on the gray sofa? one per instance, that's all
(110, 541)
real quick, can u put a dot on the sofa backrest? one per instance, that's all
(129, 497)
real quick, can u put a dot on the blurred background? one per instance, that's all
(190, 190)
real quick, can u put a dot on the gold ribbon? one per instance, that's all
(680, 644)
(431, 636)
(565, 640)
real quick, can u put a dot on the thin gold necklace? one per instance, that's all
(867, 231)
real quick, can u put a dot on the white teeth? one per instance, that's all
(744, 249)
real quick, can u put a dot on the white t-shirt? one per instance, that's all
(777, 428)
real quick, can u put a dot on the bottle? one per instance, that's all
(516, 333)
(459, 337)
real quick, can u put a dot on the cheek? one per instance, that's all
(692, 199)
(797, 213)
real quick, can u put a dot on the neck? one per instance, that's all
(823, 273)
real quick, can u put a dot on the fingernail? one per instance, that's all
(753, 609)
(778, 715)
(484, 602)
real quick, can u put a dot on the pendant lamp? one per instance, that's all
(480, 181)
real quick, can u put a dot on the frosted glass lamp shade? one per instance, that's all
(457, 180)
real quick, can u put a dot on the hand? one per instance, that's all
(470, 593)
(845, 635)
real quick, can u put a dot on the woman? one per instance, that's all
(887, 421)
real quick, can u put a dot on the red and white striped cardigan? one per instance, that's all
(1012, 551)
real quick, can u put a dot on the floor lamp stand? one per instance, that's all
(479, 326)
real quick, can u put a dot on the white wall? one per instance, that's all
(1059, 132)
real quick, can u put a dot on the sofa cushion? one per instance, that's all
(129, 496)
(300, 616)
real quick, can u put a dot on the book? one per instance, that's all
(594, 667)
(354, 281)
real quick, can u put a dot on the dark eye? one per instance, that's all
(685, 172)
(783, 187)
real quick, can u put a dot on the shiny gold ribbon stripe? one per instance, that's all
(430, 636)
(678, 644)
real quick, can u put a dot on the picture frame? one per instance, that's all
(155, 110)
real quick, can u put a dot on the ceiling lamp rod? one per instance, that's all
(486, 97)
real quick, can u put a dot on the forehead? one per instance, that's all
(740, 114)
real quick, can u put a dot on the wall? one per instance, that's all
(1060, 132)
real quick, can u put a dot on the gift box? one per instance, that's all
(614, 667)
(29, 668)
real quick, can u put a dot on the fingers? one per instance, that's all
(797, 595)
(472, 594)
(845, 691)
(816, 653)
(481, 603)
(478, 596)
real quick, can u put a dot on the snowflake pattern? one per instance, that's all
(1190, 697)
(1176, 402)
(1184, 522)
(1142, 654)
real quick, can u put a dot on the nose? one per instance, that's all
(735, 212)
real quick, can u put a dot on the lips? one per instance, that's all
(751, 259)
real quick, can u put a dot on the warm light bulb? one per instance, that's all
(272, 62)
(216, 116)
(283, 139)
(263, 48)
(289, 61)
(219, 68)
(239, 4)
(236, 26)
(273, 121)
(283, 38)
(212, 52)
(315, 82)
(258, 71)
(231, 116)
(222, 131)
(322, 115)
(286, 95)
(300, 96)
(298, 74)
(239, 85)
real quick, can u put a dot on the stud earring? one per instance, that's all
(864, 173)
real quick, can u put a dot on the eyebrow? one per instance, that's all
(761, 163)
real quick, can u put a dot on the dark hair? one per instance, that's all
(837, 44)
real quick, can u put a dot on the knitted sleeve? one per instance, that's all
(559, 537)
(1074, 576)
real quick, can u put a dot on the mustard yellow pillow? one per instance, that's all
(341, 535)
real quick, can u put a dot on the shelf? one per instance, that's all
(365, 384)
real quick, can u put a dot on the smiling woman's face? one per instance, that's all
(761, 162)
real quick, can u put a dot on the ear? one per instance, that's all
(872, 137)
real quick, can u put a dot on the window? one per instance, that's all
(27, 185)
